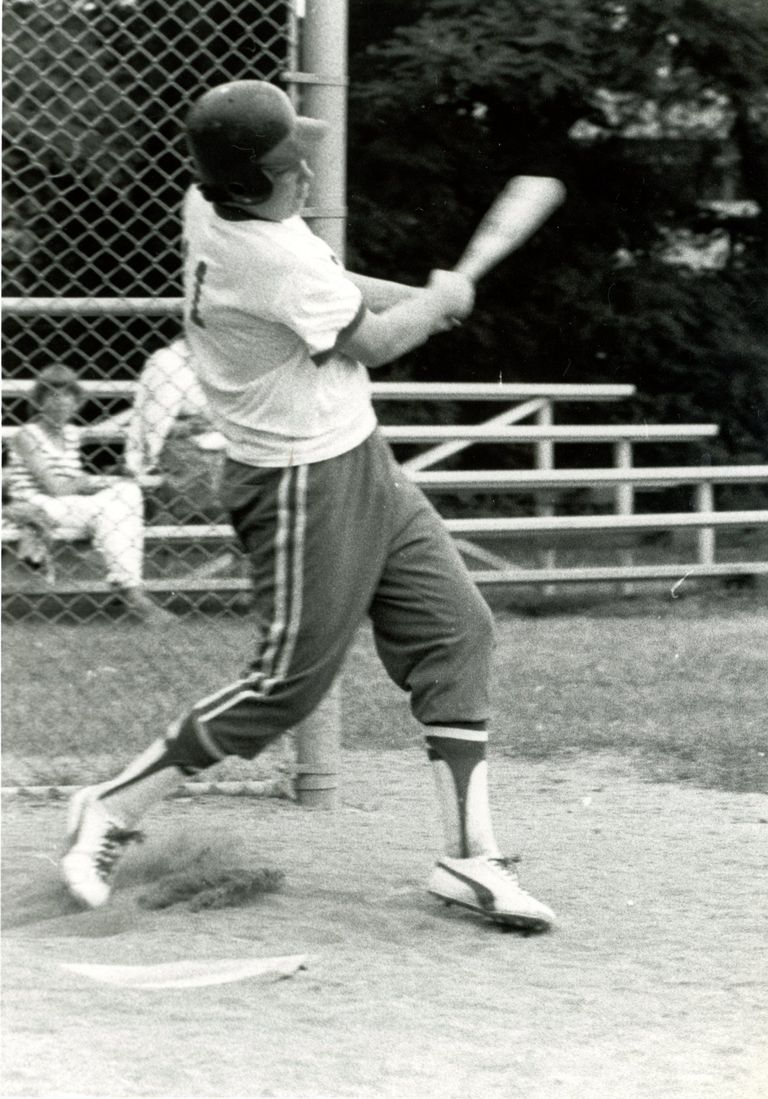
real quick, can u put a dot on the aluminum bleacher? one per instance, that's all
(489, 542)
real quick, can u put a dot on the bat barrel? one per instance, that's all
(520, 209)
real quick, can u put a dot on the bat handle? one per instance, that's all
(472, 266)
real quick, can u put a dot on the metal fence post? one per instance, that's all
(318, 754)
(323, 84)
(323, 81)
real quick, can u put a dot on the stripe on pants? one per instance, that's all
(274, 660)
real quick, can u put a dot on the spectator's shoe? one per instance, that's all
(489, 886)
(35, 553)
(95, 843)
(222, 563)
(140, 606)
(150, 478)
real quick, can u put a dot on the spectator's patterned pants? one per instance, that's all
(113, 519)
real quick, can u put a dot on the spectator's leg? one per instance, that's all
(65, 517)
(117, 524)
(35, 528)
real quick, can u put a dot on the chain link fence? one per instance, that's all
(95, 94)
(95, 169)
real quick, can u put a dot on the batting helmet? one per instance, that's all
(231, 128)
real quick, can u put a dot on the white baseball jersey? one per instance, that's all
(264, 305)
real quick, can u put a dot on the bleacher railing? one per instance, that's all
(530, 497)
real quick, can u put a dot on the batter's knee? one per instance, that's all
(476, 638)
(449, 682)
(199, 744)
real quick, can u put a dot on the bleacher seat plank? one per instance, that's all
(477, 433)
(640, 476)
(554, 524)
(429, 391)
(560, 433)
(610, 573)
(549, 524)
(577, 575)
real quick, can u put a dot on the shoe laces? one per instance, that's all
(115, 840)
(506, 865)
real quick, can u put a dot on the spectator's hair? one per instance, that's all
(53, 378)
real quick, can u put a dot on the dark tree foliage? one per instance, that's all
(461, 96)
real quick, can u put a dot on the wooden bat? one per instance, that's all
(520, 209)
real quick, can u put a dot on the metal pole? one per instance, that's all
(322, 87)
(318, 754)
(323, 83)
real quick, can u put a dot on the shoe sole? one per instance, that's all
(502, 919)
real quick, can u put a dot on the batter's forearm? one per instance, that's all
(381, 338)
(381, 294)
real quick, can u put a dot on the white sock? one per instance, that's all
(461, 778)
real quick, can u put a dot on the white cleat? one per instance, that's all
(489, 885)
(96, 841)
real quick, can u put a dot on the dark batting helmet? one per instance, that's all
(233, 127)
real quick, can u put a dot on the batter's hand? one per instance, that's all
(456, 292)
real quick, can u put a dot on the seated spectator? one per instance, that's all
(51, 492)
(170, 437)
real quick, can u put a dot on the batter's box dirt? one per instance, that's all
(222, 889)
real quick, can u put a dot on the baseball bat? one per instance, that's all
(518, 211)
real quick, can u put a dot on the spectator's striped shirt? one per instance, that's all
(62, 460)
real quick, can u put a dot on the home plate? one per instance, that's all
(190, 974)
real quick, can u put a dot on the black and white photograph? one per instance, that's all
(385, 549)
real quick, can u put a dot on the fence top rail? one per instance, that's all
(22, 387)
(649, 476)
(92, 307)
(481, 391)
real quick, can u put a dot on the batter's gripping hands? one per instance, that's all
(455, 293)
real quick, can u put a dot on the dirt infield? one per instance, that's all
(654, 984)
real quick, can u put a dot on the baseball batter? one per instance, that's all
(282, 338)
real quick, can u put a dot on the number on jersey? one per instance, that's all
(200, 271)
